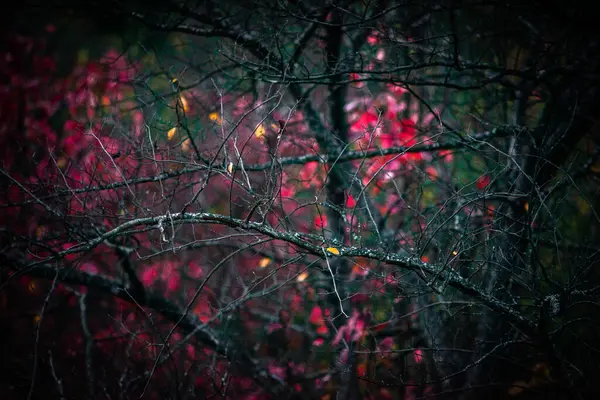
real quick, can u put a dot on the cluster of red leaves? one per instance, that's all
(80, 151)
(52, 136)
(381, 123)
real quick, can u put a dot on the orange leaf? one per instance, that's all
(214, 117)
(264, 262)
(302, 277)
(171, 133)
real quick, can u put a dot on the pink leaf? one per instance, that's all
(373, 38)
(277, 370)
(418, 355)
(173, 283)
(350, 202)
(149, 275)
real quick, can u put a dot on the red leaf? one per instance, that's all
(482, 182)
(322, 330)
(321, 221)
(316, 316)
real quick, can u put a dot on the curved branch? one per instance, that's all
(307, 243)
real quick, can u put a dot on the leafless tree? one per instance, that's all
(483, 259)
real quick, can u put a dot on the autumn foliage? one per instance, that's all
(78, 160)
(167, 234)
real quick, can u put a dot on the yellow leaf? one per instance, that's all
(526, 206)
(274, 126)
(454, 252)
(171, 133)
(36, 319)
(214, 117)
(184, 103)
(333, 250)
(32, 286)
(302, 277)
(260, 131)
(264, 262)
(230, 168)
(583, 205)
